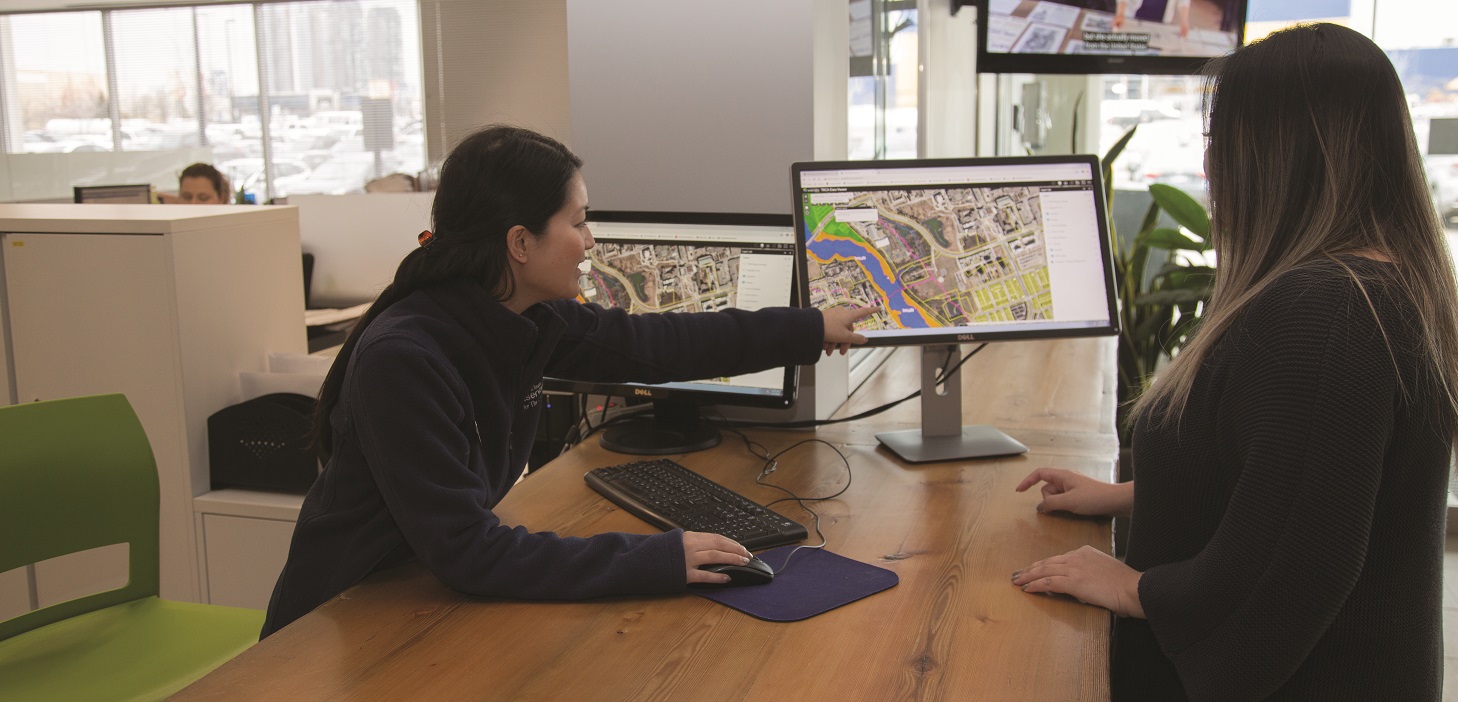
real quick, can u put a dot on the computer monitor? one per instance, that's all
(955, 251)
(1090, 36)
(113, 194)
(688, 262)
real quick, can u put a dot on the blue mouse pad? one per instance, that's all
(816, 581)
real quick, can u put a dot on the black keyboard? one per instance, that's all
(670, 496)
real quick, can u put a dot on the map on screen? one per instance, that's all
(942, 257)
(645, 277)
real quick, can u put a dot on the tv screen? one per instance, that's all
(1106, 36)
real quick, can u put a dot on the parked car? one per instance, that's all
(344, 173)
(247, 173)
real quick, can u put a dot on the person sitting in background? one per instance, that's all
(201, 184)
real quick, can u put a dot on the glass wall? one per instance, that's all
(326, 94)
(1420, 36)
(882, 114)
(62, 95)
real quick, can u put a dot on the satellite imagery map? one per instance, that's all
(931, 258)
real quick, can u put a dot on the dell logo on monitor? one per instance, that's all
(645, 392)
(966, 337)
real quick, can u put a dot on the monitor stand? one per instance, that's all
(942, 436)
(672, 427)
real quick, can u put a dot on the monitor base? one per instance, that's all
(979, 441)
(647, 436)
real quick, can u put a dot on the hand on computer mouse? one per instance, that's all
(700, 549)
(752, 572)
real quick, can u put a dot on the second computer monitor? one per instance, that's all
(113, 194)
(689, 262)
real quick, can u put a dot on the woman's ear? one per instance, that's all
(518, 240)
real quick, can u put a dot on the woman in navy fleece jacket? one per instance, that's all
(428, 416)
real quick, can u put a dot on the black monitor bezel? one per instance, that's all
(1089, 64)
(641, 391)
(802, 281)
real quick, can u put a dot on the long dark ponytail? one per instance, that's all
(494, 179)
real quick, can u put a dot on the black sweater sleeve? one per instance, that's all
(408, 420)
(1308, 407)
(612, 345)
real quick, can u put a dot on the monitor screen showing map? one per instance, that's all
(958, 250)
(680, 262)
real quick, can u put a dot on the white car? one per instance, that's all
(344, 173)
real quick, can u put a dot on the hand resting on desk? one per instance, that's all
(1067, 491)
(1087, 574)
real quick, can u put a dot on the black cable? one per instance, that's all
(771, 464)
(571, 439)
(808, 423)
(626, 415)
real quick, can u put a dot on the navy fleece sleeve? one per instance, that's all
(612, 345)
(1310, 412)
(409, 416)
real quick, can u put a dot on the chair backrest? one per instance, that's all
(77, 474)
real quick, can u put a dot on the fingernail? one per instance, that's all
(1025, 588)
(1016, 573)
(746, 560)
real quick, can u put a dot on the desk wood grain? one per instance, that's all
(953, 629)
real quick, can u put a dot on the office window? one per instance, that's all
(1420, 37)
(60, 88)
(883, 79)
(156, 78)
(341, 84)
(343, 93)
(228, 56)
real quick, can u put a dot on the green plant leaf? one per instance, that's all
(1108, 168)
(1192, 278)
(1182, 208)
(1118, 147)
(1170, 297)
(1166, 238)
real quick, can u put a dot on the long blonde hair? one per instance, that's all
(1312, 154)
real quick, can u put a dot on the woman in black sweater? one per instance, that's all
(1292, 461)
(427, 417)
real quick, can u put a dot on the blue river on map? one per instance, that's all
(825, 248)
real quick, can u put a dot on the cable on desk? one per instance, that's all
(729, 424)
(771, 464)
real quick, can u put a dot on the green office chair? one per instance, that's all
(75, 475)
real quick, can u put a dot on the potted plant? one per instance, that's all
(1160, 308)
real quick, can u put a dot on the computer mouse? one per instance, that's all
(755, 572)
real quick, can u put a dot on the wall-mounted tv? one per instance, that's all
(1105, 36)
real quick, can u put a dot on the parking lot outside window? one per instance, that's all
(342, 96)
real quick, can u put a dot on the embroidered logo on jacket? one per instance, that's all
(532, 398)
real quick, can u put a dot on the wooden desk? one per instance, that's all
(955, 628)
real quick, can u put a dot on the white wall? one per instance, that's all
(496, 61)
(699, 107)
(358, 241)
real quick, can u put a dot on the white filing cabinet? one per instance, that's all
(165, 304)
(245, 540)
